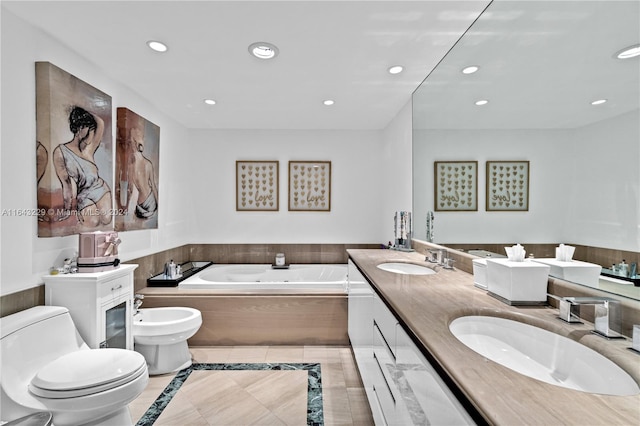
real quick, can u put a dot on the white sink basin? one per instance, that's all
(405, 268)
(543, 355)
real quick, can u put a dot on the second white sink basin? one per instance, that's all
(405, 268)
(543, 355)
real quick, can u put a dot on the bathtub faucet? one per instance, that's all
(137, 302)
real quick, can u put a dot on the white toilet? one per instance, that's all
(46, 366)
(160, 334)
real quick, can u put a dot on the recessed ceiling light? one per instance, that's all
(599, 102)
(396, 69)
(482, 102)
(470, 70)
(263, 50)
(157, 46)
(209, 102)
(328, 102)
(629, 52)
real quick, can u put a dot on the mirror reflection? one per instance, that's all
(546, 87)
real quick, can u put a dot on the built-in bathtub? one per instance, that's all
(251, 304)
(485, 253)
(258, 277)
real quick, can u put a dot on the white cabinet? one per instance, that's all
(401, 385)
(100, 304)
(426, 397)
(360, 327)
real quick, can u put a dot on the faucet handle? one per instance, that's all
(569, 312)
(432, 256)
(448, 263)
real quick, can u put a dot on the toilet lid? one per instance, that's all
(87, 371)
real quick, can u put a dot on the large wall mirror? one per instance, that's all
(544, 68)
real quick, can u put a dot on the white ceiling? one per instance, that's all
(542, 63)
(328, 49)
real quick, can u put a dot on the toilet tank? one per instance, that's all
(30, 339)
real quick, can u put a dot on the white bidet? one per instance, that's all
(160, 335)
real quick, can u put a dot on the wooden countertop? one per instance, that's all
(426, 304)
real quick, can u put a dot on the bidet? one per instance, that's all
(160, 335)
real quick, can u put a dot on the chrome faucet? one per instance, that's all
(137, 302)
(432, 256)
(438, 256)
(607, 318)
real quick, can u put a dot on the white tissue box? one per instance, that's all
(480, 273)
(517, 283)
(575, 271)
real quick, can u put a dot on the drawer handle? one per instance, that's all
(384, 378)
(118, 287)
(384, 418)
(384, 340)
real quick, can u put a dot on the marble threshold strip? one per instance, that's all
(315, 415)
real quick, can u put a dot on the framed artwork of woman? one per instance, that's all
(137, 161)
(73, 154)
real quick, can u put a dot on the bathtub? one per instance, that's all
(485, 253)
(264, 277)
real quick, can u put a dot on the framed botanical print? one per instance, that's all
(257, 185)
(455, 185)
(310, 186)
(507, 186)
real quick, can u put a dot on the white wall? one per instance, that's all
(397, 169)
(584, 184)
(605, 198)
(24, 256)
(370, 173)
(356, 186)
(546, 151)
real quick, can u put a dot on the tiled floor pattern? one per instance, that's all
(265, 397)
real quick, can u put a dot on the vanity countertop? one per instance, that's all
(426, 304)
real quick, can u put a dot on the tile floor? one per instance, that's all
(238, 398)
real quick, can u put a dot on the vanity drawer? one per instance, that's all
(115, 288)
(382, 391)
(386, 323)
(385, 361)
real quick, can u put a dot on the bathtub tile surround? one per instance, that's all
(266, 253)
(302, 253)
(244, 318)
(256, 277)
(314, 415)
(241, 253)
(21, 300)
(153, 264)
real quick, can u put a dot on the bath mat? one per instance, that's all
(314, 387)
